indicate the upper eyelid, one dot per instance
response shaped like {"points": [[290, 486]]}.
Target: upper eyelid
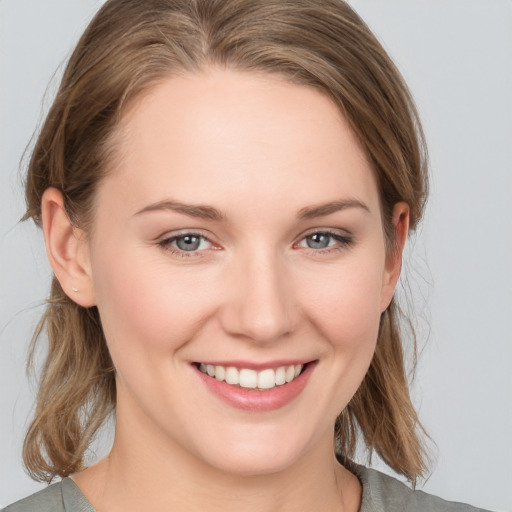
{"points": [[170, 235], [326, 230], [331, 231]]}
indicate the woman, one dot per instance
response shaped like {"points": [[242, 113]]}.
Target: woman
{"points": [[225, 190]]}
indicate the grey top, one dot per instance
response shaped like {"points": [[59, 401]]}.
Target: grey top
{"points": [[381, 493]]}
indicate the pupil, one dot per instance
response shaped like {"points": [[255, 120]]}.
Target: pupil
{"points": [[318, 241], [188, 243]]}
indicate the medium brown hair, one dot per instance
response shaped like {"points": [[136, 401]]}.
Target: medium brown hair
{"points": [[127, 48]]}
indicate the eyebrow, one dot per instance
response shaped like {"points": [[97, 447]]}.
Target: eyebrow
{"points": [[192, 210], [211, 213], [311, 212]]}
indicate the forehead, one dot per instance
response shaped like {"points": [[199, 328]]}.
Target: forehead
{"points": [[220, 131]]}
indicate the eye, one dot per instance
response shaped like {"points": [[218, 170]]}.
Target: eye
{"points": [[186, 243], [189, 242], [325, 240]]}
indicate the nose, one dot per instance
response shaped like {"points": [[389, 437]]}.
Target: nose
{"points": [[260, 304]]}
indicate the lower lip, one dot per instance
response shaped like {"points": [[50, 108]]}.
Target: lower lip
{"points": [[254, 399]]}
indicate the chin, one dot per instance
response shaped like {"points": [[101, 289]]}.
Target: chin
{"points": [[255, 455]]}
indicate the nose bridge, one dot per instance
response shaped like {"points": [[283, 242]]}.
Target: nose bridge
{"points": [[261, 303]]}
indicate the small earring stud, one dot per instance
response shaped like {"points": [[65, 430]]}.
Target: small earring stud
{"points": [[75, 289]]}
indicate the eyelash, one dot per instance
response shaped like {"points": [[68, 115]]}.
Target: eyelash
{"points": [[343, 243], [166, 244]]}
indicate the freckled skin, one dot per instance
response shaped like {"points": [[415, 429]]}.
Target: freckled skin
{"points": [[259, 150]]}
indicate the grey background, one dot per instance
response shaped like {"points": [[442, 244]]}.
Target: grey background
{"points": [[457, 58]]}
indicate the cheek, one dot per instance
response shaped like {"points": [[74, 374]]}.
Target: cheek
{"points": [[147, 305], [345, 304], [344, 307]]}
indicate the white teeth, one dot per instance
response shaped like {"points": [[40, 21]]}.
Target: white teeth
{"points": [[280, 376], [220, 373], [232, 375], [252, 379], [248, 378], [266, 379]]}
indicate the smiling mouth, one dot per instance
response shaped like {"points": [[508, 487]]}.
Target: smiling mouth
{"points": [[248, 378]]}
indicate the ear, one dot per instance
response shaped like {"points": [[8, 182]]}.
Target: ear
{"points": [[393, 264], [67, 249]]}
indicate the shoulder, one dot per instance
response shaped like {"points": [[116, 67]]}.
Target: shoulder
{"points": [[382, 493], [47, 500], [63, 496]]}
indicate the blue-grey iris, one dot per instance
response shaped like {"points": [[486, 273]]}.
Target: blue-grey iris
{"points": [[188, 242], [318, 240]]}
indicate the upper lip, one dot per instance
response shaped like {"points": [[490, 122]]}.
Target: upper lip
{"points": [[276, 363]]}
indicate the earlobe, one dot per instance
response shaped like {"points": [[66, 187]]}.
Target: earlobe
{"points": [[394, 257], [67, 249]]}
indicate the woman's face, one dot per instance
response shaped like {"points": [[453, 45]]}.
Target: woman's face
{"points": [[239, 234]]}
